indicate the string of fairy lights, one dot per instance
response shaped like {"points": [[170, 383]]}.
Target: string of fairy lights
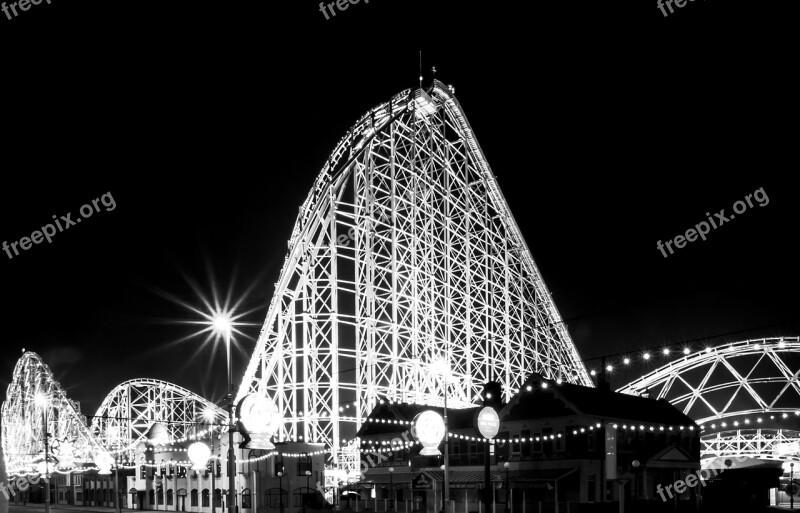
{"points": [[125, 456], [649, 355]]}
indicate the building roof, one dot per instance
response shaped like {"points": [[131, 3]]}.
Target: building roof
{"points": [[546, 399], [549, 399], [404, 412]]}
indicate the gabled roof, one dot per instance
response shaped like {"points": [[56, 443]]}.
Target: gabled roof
{"points": [[549, 399], [404, 412]]}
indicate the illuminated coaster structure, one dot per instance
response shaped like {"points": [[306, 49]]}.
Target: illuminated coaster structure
{"points": [[34, 397], [404, 251], [745, 396], [127, 413]]}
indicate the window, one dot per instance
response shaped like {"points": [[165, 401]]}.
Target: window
{"points": [[515, 445], [303, 464], [218, 498], [278, 465], [181, 471], [151, 497], [246, 498], [161, 497], [559, 441], [475, 457], [547, 442], [171, 469], [193, 498], [205, 498], [142, 472], [591, 488], [537, 443], [526, 445], [169, 498], [219, 465], [163, 468]]}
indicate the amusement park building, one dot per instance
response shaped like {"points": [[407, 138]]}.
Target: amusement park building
{"points": [[165, 481], [555, 440]]}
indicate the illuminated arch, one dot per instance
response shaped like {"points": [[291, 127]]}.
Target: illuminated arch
{"points": [[129, 411], [744, 395]]}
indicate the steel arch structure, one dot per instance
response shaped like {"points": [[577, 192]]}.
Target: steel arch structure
{"points": [[132, 407], [24, 419], [404, 252], [744, 395]]}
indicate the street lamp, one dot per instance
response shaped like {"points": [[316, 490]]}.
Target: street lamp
{"points": [[391, 488], [508, 491], [280, 491], [223, 326], [208, 416], [791, 485], [441, 366], [308, 487], [635, 464], [41, 401]]}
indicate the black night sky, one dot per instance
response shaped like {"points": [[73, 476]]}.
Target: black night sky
{"points": [[609, 127]]}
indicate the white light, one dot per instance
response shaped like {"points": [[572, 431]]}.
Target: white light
{"points": [[208, 414], [430, 432], [199, 453], [626, 361], [781, 344], [759, 419], [41, 399], [528, 388], [544, 385], [221, 322], [609, 368], [708, 350], [592, 372], [558, 381], [488, 395], [104, 461], [666, 351], [646, 356], [686, 350]]}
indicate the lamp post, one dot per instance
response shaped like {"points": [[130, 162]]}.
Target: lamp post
{"points": [[280, 491], [41, 400], [308, 487], [222, 324], [791, 485], [508, 491], [635, 464], [391, 488], [441, 366], [208, 415]]}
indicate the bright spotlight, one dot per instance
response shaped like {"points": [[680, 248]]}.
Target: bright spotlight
{"points": [[222, 323], [626, 361], [665, 351], [646, 356], [686, 350]]}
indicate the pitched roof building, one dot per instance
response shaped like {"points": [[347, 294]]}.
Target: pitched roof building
{"points": [[557, 443]]}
